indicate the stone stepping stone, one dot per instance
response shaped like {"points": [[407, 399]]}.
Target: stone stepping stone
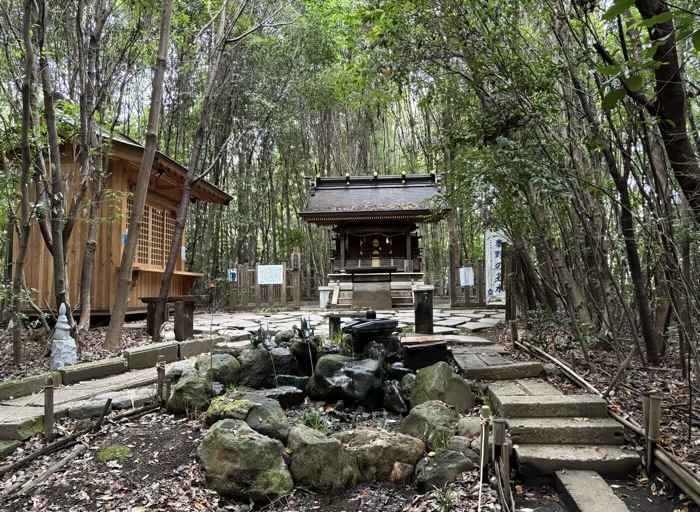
{"points": [[476, 326], [535, 401], [463, 339], [488, 349], [586, 491], [595, 431], [438, 329], [452, 322], [547, 459], [490, 366]]}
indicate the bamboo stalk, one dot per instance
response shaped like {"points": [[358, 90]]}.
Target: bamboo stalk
{"points": [[670, 468], [48, 410]]}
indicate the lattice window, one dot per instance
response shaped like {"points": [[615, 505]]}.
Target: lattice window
{"points": [[143, 248], [169, 231], [156, 234], [157, 237]]}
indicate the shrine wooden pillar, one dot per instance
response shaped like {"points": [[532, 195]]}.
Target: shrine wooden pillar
{"points": [[408, 243], [342, 246]]}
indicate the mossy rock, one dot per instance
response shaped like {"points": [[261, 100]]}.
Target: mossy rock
{"points": [[114, 452], [190, 395], [262, 414], [242, 463], [223, 368]]}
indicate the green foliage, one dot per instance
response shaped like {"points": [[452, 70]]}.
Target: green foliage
{"points": [[312, 419]]}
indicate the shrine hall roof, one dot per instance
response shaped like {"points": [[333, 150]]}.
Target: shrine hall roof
{"points": [[414, 197]]}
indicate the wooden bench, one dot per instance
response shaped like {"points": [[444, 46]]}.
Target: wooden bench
{"points": [[184, 315]]}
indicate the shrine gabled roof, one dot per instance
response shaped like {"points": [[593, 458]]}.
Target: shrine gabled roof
{"points": [[412, 197]]}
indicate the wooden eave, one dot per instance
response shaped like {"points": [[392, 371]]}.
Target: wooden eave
{"points": [[175, 172]]}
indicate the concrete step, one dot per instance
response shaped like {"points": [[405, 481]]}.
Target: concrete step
{"points": [[586, 491], [532, 398], [594, 431], [546, 459], [494, 366]]}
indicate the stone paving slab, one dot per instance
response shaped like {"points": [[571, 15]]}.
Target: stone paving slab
{"points": [[544, 459], [494, 366], [88, 389], [586, 491], [595, 431], [522, 387], [488, 349], [20, 423], [437, 329], [464, 339], [451, 322], [477, 326]]}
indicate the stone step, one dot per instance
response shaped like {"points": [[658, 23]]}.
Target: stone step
{"points": [[546, 459], [533, 398], [494, 366], [557, 406], [594, 431], [586, 491]]}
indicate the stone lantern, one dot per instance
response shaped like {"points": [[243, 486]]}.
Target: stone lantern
{"points": [[63, 349]]}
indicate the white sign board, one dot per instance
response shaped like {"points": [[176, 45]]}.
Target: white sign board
{"points": [[493, 247], [466, 276], [270, 274]]}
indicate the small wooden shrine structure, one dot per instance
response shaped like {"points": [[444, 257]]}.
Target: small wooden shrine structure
{"points": [[377, 259], [164, 194]]}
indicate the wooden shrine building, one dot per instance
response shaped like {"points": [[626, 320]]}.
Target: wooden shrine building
{"points": [[164, 194], [376, 261]]}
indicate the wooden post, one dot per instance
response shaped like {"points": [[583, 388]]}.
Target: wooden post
{"points": [[160, 369], [499, 437], [654, 430], [513, 331], [485, 415], [645, 412], [48, 410], [257, 286], [283, 296], [168, 384], [480, 283], [505, 460], [296, 278], [453, 259]]}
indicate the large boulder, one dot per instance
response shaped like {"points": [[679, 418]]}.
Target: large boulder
{"points": [[439, 382], [320, 462], [306, 355], [428, 418], [256, 368], [242, 463], [223, 368], [340, 377], [177, 369], [393, 400], [191, 393], [259, 367], [262, 414], [376, 451], [435, 472]]}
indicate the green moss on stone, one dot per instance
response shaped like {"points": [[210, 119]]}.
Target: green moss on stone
{"points": [[221, 407], [273, 482], [32, 429], [114, 452]]}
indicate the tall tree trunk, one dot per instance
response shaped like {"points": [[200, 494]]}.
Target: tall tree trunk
{"points": [[626, 216], [23, 230], [670, 106], [113, 338]]}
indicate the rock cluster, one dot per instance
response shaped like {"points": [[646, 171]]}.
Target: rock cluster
{"points": [[252, 452]]}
